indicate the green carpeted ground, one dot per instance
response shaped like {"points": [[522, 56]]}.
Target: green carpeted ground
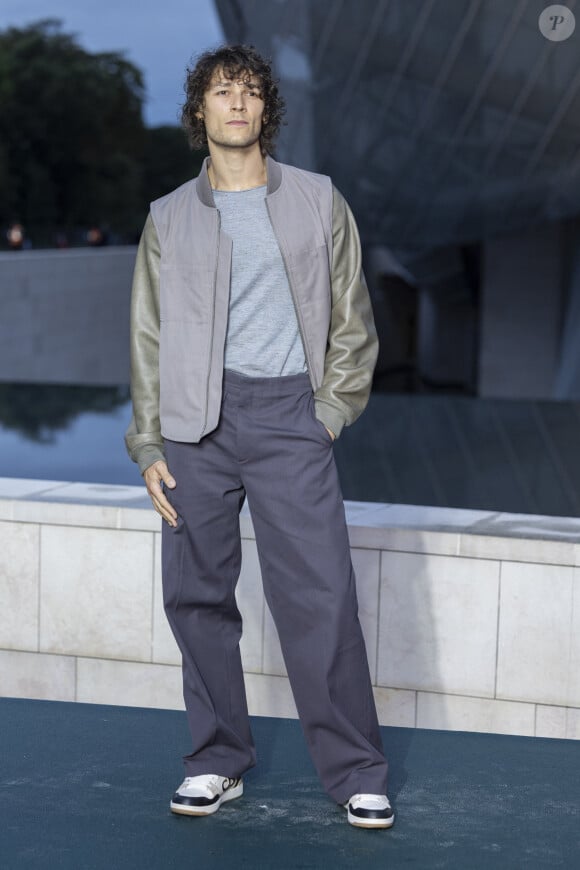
{"points": [[87, 787]]}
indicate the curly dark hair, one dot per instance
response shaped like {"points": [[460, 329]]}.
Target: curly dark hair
{"points": [[236, 61]]}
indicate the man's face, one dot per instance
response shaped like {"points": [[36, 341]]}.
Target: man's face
{"points": [[232, 111]]}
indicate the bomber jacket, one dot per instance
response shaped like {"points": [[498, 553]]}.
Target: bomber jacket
{"points": [[180, 298]]}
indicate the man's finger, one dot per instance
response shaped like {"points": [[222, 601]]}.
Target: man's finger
{"points": [[159, 498], [154, 477], [156, 491], [159, 471], [167, 478], [165, 510]]}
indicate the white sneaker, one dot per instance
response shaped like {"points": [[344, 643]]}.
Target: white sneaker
{"points": [[370, 811], [203, 795]]}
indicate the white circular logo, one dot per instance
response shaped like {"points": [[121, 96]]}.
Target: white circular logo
{"points": [[557, 23]]}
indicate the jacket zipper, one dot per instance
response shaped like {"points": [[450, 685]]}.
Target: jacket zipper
{"points": [[292, 295], [219, 225]]}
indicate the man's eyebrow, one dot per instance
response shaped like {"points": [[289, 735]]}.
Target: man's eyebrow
{"points": [[221, 84]]}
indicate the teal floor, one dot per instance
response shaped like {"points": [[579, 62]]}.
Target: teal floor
{"points": [[85, 787]]}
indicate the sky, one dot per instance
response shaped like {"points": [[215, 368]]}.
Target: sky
{"points": [[158, 36]]}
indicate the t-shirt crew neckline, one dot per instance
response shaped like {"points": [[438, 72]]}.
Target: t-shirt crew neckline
{"points": [[247, 190]]}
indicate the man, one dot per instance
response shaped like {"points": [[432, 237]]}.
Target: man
{"points": [[252, 345]]}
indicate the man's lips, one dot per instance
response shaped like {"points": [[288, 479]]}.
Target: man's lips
{"points": [[237, 123]]}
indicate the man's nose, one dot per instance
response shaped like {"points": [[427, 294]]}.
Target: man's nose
{"points": [[238, 101]]}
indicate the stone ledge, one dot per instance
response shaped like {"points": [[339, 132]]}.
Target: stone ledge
{"points": [[453, 605], [405, 528], [146, 684]]}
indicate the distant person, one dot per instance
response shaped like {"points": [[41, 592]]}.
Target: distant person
{"points": [[96, 238], [253, 343], [15, 237]]}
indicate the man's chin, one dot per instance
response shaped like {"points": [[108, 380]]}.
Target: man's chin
{"points": [[235, 143]]}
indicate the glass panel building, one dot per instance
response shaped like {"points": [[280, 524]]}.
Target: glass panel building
{"points": [[453, 129]]}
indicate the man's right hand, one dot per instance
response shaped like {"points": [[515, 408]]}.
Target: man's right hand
{"points": [[153, 476]]}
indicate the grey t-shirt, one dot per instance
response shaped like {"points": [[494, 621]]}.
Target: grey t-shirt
{"points": [[263, 338]]}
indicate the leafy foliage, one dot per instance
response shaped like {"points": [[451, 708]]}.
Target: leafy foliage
{"points": [[168, 160], [74, 150]]}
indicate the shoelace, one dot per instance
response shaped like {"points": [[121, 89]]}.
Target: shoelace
{"points": [[210, 780], [372, 801], [215, 781]]}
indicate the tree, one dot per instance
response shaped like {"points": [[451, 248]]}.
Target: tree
{"points": [[168, 161], [71, 132]]}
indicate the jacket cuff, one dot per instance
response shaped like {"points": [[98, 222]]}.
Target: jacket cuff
{"points": [[147, 455], [330, 416]]}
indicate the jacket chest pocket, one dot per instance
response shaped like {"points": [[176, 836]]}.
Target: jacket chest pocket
{"points": [[185, 292]]}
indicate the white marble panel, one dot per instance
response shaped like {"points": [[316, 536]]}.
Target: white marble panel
{"points": [[573, 688], [573, 723], [412, 528], [550, 721], [19, 559], [66, 513], [366, 569], [32, 675], [539, 634], [144, 518], [96, 592], [250, 599], [438, 619], [270, 696], [246, 524], [273, 661], [404, 540], [165, 649], [561, 722], [516, 549], [6, 509], [456, 713], [395, 706], [130, 684]]}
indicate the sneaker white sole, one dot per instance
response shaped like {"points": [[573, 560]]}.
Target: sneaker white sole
{"points": [[359, 822], [230, 795]]}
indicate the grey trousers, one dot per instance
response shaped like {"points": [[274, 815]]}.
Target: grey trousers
{"points": [[269, 445]]}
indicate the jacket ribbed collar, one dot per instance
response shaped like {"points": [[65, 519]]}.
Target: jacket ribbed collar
{"points": [[204, 190]]}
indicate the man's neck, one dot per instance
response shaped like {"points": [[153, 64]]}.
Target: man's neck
{"points": [[236, 169]]}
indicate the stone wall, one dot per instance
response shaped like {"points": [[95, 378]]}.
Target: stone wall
{"points": [[471, 619]]}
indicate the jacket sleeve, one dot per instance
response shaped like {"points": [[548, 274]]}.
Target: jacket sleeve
{"points": [[143, 437], [353, 346]]}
